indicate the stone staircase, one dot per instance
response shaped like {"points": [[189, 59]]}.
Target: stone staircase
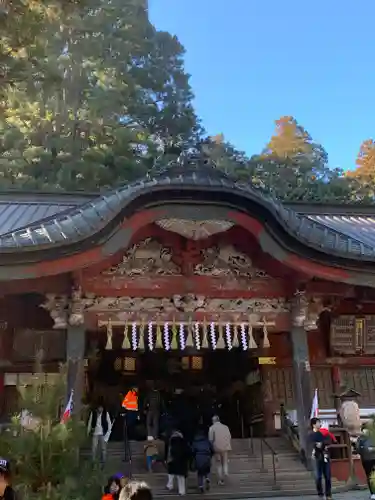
{"points": [[249, 477]]}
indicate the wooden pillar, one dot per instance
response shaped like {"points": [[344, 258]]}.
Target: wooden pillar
{"points": [[68, 312], [268, 404], [75, 352], [301, 372]]}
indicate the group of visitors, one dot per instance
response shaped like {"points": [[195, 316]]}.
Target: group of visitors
{"points": [[182, 455], [118, 488], [321, 440]]}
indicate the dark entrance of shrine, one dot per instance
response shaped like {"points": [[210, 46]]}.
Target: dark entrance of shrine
{"points": [[228, 382]]}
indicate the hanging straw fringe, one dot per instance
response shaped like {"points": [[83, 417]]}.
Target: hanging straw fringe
{"points": [[220, 341], [189, 339], [252, 344], [126, 341], [236, 342], [174, 343], [159, 340], [266, 340], [205, 339], [109, 335]]}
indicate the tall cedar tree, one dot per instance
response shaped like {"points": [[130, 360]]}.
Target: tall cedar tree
{"points": [[288, 168], [295, 168], [364, 174], [110, 93], [22, 26]]}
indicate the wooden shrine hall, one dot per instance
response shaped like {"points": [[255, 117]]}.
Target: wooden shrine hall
{"points": [[180, 275]]}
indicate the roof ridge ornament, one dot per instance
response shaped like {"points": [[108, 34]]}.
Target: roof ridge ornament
{"points": [[193, 161]]}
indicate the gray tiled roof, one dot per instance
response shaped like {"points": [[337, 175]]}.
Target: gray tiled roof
{"points": [[361, 228], [49, 225], [16, 215], [18, 210]]}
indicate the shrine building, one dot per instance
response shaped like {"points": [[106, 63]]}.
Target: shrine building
{"points": [[190, 279]]}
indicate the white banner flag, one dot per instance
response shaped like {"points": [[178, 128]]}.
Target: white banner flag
{"points": [[315, 405]]}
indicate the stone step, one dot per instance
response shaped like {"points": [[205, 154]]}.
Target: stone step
{"points": [[247, 478], [238, 479], [234, 489]]}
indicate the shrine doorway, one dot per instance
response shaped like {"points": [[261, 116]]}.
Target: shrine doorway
{"points": [[219, 379]]}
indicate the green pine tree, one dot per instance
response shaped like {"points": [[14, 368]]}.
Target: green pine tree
{"points": [[44, 453]]}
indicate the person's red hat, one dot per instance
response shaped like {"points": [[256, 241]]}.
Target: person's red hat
{"points": [[326, 432]]}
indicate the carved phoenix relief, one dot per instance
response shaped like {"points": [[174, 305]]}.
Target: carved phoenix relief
{"points": [[226, 261], [146, 258]]}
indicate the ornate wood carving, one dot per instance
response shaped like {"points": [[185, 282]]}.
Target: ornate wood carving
{"points": [[190, 303], [151, 269], [226, 261], [146, 258], [57, 306], [65, 310], [194, 307], [306, 310], [195, 230]]}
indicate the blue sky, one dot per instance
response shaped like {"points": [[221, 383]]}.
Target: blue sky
{"points": [[252, 61]]}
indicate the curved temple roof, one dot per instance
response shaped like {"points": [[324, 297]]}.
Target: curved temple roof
{"points": [[193, 180]]}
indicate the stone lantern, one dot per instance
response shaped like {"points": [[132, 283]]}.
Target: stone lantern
{"points": [[348, 413]]}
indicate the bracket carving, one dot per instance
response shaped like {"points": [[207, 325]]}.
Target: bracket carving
{"points": [[66, 310], [306, 311]]}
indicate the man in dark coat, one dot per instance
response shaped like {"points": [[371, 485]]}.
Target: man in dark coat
{"points": [[152, 405], [202, 451], [178, 458], [366, 450], [321, 458]]}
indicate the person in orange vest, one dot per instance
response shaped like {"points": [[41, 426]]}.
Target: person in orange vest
{"points": [[130, 401], [130, 407]]}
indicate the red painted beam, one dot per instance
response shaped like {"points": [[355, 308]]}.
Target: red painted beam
{"points": [[281, 320], [82, 260]]}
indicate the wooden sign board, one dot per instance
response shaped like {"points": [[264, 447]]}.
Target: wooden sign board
{"points": [[267, 361]]}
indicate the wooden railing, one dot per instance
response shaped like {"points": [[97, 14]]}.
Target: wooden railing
{"points": [[264, 444], [289, 429]]}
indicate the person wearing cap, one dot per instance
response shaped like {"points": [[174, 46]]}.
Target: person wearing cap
{"points": [[112, 489], [152, 450], [6, 490]]}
